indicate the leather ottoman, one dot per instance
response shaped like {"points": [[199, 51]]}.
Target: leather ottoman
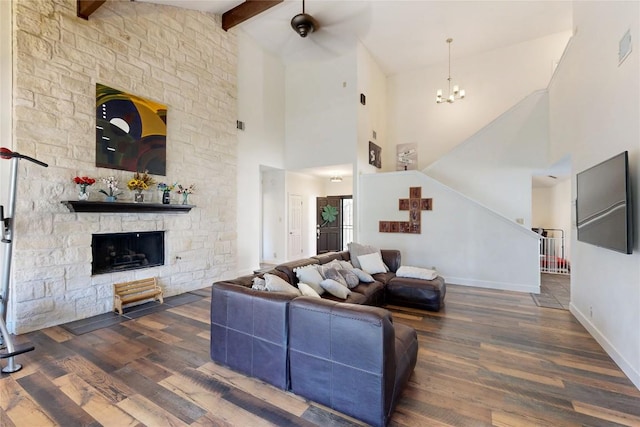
{"points": [[417, 293]]}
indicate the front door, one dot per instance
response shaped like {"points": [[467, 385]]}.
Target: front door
{"points": [[328, 224]]}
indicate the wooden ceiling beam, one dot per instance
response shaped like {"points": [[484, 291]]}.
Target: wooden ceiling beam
{"points": [[86, 7], [244, 11]]}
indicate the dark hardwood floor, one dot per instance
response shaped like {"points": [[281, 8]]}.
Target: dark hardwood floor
{"points": [[490, 358]]}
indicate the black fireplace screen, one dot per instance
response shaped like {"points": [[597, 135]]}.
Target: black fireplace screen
{"points": [[126, 251]]}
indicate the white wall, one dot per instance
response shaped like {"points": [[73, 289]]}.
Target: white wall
{"points": [[274, 211], [467, 243], [494, 166], [261, 108], [594, 114], [494, 82], [321, 118], [542, 207], [344, 188], [552, 208], [372, 116]]}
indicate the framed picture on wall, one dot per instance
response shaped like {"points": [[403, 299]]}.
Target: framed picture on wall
{"points": [[375, 153], [406, 157], [131, 132]]}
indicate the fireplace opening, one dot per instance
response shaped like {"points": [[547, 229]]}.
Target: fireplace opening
{"points": [[114, 252]]}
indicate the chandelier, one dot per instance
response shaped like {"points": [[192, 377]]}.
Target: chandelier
{"points": [[457, 93]]}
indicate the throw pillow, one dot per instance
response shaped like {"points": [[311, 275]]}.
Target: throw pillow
{"points": [[259, 284], [335, 288], [333, 274], [372, 263], [346, 265], [364, 277], [356, 250], [416, 273], [349, 277], [309, 274], [308, 290], [276, 284]]}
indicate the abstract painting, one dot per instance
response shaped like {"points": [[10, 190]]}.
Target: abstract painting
{"points": [[131, 132]]}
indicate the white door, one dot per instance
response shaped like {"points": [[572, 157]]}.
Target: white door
{"points": [[295, 226]]}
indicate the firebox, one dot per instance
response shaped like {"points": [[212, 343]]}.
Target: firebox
{"points": [[114, 252]]}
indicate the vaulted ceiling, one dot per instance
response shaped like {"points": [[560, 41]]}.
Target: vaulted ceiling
{"points": [[401, 35]]}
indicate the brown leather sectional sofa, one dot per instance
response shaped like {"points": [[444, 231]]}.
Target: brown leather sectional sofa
{"points": [[346, 354]]}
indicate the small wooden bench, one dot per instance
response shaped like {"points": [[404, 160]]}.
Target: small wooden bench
{"points": [[138, 290]]}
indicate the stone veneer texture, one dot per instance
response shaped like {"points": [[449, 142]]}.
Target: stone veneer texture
{"points": [[178, 57]]}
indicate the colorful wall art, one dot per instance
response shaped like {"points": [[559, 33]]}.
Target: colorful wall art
{"points": [[131, 132]]}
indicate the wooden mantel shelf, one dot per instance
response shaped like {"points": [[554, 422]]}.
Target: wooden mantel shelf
{"points": [[84, 206]]}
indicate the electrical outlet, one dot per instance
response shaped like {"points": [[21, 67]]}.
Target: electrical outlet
{"points": [[590, 312], [275, 255]]}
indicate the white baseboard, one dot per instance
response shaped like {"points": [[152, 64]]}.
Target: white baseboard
{"points": [[494, 285], [619, 359]]}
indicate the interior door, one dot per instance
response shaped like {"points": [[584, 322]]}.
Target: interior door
{"points": [[295, 226], [329, 226]]}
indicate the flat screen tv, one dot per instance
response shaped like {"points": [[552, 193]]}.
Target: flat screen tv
{"points": [[604, 206]]}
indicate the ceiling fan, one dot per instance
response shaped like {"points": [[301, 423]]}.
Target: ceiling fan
{"points": [[303, 23]]}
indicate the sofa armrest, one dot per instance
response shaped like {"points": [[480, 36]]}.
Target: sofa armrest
{"points": [[333, 346], [392, 258]]}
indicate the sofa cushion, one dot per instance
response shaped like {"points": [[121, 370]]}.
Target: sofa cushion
{"points": [[416, 273], [310, 275], [356, 250], [288, 268], [372, 263], [353, 298], [259, 284], [274, 283], [333, 274], [363, 276], [418, 293], [374, 292], [308, 291], [349, 277], [336, 289], [384, 278]]}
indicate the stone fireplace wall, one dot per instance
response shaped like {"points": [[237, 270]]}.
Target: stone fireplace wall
{"points": [[174, 56]]}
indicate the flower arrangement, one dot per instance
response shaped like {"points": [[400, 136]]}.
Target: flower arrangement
{"points": [[164, 187], [186, 190], [140, 181], [84, 180], [112, 185]]}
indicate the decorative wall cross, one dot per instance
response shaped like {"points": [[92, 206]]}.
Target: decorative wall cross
{"points": [[414, 204]]}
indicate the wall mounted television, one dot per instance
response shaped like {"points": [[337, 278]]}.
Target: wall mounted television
{"points": [[604, 205]]}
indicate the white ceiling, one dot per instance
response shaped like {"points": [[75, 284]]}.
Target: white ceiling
{"points": [[400, 34]]}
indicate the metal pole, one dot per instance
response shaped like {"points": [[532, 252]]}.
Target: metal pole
{"points": [[7, 237]]}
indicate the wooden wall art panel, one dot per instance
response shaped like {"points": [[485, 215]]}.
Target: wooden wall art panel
{"points": [[415, 204]]}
